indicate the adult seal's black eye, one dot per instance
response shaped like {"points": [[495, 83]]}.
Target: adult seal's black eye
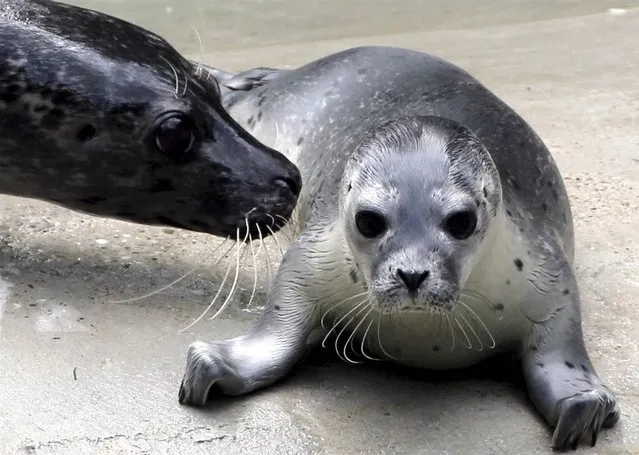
{"points": [[461, 225], [175, 136], [370, 224]]}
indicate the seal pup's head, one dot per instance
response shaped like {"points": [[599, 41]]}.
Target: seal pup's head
{"points": [[417, 201]]}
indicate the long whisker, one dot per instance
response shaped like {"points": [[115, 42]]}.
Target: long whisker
{"points": [[332, 307], [237, 273], [339, 335], [492, 339], [355, 308], [364, 342], [171, 284], [277, 243], [350, 338], [199, 37], [272, 220], [285, 223], [198, 70], [452, 332], [261, 245], [186, 81], [157, 291], [175, 73], [268, 258], [219, 291], [282, 218], [379, 338], [254, 270], [463, 332], [476, 296], [481, 344], [282, 227]]}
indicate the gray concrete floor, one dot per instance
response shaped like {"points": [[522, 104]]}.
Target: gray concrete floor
{"points": [[81, 374]]}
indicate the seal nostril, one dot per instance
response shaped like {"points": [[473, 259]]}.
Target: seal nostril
{"points": [[86, 133], [412, 279], [288, 183]]}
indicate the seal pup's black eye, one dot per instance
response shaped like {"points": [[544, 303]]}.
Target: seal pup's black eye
{"points": [[370, 224], [175, 135], [461, 225]]}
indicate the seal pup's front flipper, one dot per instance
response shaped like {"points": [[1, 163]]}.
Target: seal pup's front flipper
{"points": [[270, 350], [562, 382]]}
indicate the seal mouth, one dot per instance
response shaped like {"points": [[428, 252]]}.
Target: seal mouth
{"points": [[258, 226], [416, 307], [262, 228], [395, 300]]}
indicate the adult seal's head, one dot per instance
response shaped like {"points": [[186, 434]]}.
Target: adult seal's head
{"points": [[101, 116], [416, 222], [434, 231]]}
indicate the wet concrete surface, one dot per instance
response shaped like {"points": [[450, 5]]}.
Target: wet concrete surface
{"points": [[82, 373]]}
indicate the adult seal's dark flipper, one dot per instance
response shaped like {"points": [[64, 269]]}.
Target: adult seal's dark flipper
{"points": [[435, 231], [104, 117]]}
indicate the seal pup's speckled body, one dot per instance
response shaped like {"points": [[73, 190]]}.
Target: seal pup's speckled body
{"points": [[102, 116], [435, 230]]}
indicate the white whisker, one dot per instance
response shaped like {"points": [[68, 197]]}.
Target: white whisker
{"points": [[200, 39], [452, 332], [492, 339], [334, 306], [279, 247], [339, 354], [364, 342], [198, 70], [186, 82], [269, 264], [171, 284], [379, 339], [254, 271], [351, 337], [336, 324], [175, 73], [470, 327], [237, 272], [157, 291], [281, 227], [463, 332], [219, 291]]}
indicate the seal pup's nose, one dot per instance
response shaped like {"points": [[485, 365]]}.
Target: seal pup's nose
{"points": [[413, 279]]}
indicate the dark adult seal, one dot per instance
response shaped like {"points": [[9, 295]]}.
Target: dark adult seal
{"points": [[102, 116], [435, 231]]}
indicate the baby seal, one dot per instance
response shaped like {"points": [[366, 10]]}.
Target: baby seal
{"points": [[102, 116], [434, 231]]}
